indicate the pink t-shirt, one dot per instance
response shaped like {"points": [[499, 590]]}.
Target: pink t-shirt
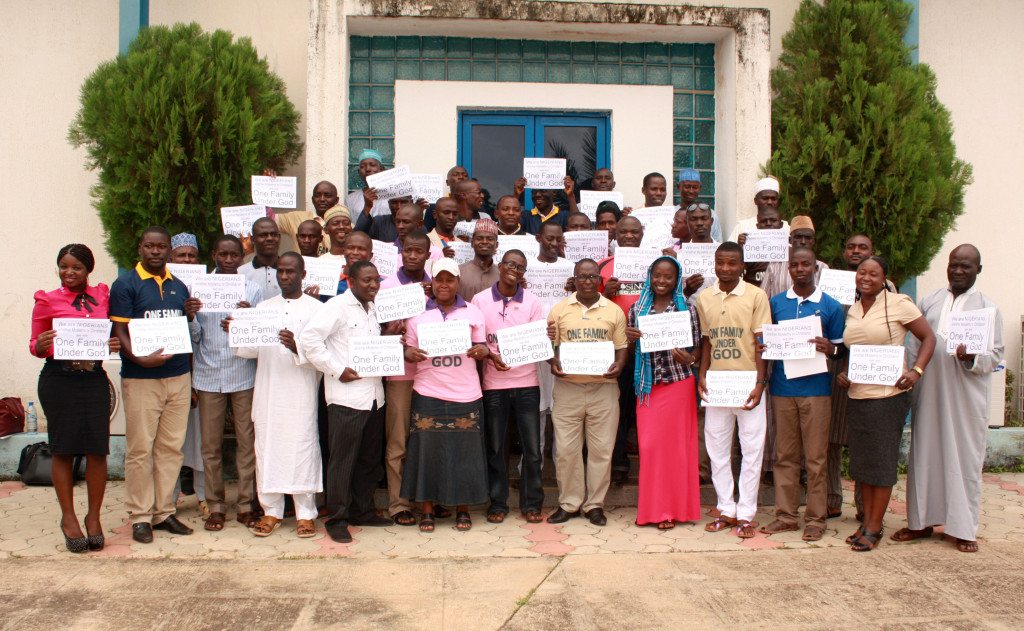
{"points": [[395, 281], [501, 313], [454, 377]]}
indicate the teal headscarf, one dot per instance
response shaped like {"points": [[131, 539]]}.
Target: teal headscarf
{"points": [[643, 369]]}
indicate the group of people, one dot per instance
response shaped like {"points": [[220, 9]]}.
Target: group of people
{"points": [[315, 437]]}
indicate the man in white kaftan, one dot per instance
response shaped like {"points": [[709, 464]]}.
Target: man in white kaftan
{"points": [[950, 413]]}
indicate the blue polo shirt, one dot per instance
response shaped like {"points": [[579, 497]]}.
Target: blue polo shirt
{"points": [[788, 306], [139, 294]]}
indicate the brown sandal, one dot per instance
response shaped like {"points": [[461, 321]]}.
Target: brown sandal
{"points": [[265, 526], [745, 529], [906, 534], [215, 522], [533, 517], [813, 533], [305, 528], [248, 519], [776, 527], [496, 517], [719, 524]]}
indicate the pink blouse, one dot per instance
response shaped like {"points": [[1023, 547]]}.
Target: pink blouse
{"points": [[59, 303]]}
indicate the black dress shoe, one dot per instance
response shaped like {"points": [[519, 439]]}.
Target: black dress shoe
{"points": [[596, 516], [561, 516], [338, 531], [173, 526], [372, 520], [143, 533]]}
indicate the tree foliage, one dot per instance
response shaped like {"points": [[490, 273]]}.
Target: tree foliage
{"points": [[176, 128], [860, 141]]}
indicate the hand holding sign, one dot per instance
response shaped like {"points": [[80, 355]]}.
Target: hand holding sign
{"points": [[276, 192], [544, 173]]}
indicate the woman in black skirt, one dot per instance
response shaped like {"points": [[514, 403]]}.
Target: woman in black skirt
{"points": [[75, 395], [876, 413]]}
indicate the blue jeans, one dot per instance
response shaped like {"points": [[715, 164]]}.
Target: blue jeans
{"points": [[499, 405]]}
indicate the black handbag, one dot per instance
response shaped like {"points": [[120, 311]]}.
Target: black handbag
{"points": [[36, 465]]}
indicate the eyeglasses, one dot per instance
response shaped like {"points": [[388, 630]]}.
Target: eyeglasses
{"points": [[693, 207], [588, 277], [515, 267]]}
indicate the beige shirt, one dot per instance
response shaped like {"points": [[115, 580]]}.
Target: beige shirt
{"points": [[883, 325], [574, 322], [730, 320]]}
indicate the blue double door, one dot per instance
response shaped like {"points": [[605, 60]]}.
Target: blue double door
{"points": [[492, 145]]}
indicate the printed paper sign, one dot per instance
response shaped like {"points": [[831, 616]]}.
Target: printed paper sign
{"points": [[81, 339], [526, 243], [438, 339], [219, 292], [386, 258], [254, 327], [697, 258], [463, 251], [656, 218], [238, 220], [547, 281], [399, 303], [524, 344], [586, 244], [396, 182], [875, 365], [590, 200], [149, 335], [839, 284], [377, 356], [789, 339], [464, 230], [633, 263], [971, 328], [324, 273], [766, 246], [586, 358], [665, 331], [186, 272], [429, 186], [276, 192], [729, 388], [545, 173]]}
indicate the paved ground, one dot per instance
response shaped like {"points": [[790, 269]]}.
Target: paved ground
{"points": [[514, 576]]}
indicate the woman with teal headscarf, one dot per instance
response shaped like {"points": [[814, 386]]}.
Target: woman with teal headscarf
{"points": [[666, 406]]}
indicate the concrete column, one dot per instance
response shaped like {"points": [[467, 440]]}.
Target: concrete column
{"points": [[327, 94]]}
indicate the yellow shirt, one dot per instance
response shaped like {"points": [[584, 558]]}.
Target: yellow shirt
{"points": [[575, 322], [897, 310], [730, 320]]}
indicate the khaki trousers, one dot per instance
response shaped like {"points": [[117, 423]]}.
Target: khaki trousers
{"points": [[398, 395], [801, 425], [156, 416], [213, 407], [584, 412]]}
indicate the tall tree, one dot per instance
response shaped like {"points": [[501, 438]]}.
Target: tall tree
{"points": [[176, 128], [860, 141]]}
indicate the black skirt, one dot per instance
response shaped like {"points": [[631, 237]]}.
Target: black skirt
{"points": [[77, 408], [874, 433]]}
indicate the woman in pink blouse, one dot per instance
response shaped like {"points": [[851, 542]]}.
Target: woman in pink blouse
{"points": [[75, 395]]}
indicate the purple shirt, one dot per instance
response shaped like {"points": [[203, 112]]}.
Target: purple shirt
{"points": [[500, 313]]}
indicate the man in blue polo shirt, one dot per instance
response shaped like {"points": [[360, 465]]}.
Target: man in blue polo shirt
{"points": [[802, 406], [156, 387]]}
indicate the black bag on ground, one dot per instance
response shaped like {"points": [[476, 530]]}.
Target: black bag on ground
{"points": [[36, 465]]}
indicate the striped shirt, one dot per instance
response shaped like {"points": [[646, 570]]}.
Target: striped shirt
{"points": [[215, 367]]}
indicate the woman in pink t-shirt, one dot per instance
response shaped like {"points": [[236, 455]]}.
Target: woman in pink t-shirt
{"points": [[444, 460]]}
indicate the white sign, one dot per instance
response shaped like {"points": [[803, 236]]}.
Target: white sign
{"points": [[463, 251], [428, 186], [324, 273], [254, 327], [665, 331], [633, 263], [971, 328], [547, 280], [377, 356], [386, 258], [789, 339], [149, 335], [697, 258], [81, 339], [545, 173], [586, 244], [219, 292], [399, 303], [186, 272], [276, 192], [816, 364], [729, 388], [839, 284], [524, 344], [526, 243], [766, 246], [438, 339], [586, 358], [238, 220], [590, 200], [875, 365], [396, 182], [464, 229], [656, 218]]}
